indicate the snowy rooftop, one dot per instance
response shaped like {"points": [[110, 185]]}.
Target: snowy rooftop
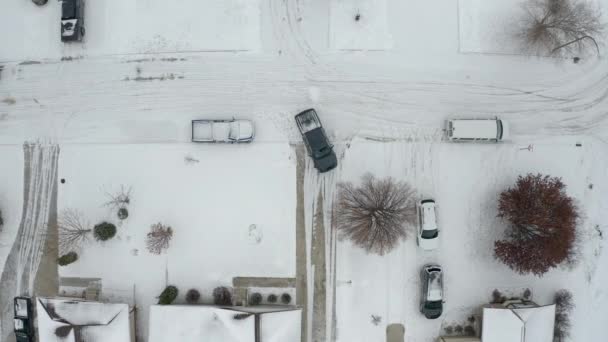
{"points": [[95, 321], [210, 323], [533, 324]]}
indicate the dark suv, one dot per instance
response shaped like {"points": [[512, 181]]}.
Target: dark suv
{"points": [[431, 301], [315, 139], [72, 20]]}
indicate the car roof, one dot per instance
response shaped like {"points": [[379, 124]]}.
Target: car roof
{"points": [[427, 209], [316, 139], [435, 289], [474, 129]]}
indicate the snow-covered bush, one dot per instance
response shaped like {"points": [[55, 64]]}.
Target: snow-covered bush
{"points": [[542, 228], [222, 295], [558, 27], [158, 238], [168, 295], [63, 331], [498, 297], [104, 231], [272, 298], [192, 296], [255, 299], [374, 214], [67, 259], [123, 213], [285, 298], [563, 308]]}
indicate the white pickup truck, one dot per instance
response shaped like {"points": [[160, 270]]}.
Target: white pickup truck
{"points": [[222, 131]]}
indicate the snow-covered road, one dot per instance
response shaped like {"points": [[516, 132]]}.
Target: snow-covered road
{"points": [[123, 100]]}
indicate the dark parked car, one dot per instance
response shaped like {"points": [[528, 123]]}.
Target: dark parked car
{"points": [[315, 139], [431, 300], [72, 20], [23, 319]]}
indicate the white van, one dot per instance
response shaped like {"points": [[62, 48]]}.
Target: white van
{"points": [[477, 130]]}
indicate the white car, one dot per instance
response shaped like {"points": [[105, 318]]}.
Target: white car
{"points": [[477, 130], [428, 233], [222, 131]]}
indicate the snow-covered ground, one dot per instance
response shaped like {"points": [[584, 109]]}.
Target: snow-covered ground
{"points": [[11, 198], [128, 27], [210, 200], [120, 104], [465, 180]]}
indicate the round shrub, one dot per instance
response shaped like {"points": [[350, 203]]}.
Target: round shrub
{"points": [[272, 298], [285, 298], [63, 331], [123, 213], [168, 295], [67, 259], [222, 295], [192, 296], [255, 299], [104, 231]]}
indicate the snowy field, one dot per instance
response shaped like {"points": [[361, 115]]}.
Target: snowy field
{"points": [[465, 180], [210, 203], [489, 26], [370, 29], [128, 27]]}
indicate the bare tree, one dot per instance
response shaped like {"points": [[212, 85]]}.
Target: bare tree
{"points": [[158, 238], [73, 230], [119, 201], [375, 214], [559, 27]]}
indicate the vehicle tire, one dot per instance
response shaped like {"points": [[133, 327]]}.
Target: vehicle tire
{"points": [[40, 2], [82, 31]]}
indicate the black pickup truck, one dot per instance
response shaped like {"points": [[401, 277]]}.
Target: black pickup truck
{"points": [[315, 139], [72, 20]]}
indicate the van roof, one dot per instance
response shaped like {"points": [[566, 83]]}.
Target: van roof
{"points": [[474, 129]]}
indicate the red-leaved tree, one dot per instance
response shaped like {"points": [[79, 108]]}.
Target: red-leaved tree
{"points": [[542, 227]]}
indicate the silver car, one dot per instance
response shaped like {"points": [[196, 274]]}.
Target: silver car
{"points": [[431, 300]]}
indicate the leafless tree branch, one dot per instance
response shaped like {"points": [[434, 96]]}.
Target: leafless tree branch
{"points": [[375, 214], [73, 230], [120, 198], [559, 27], [158, 238]]}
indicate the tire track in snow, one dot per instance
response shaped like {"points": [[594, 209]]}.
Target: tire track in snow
{"points": [[39, 195]]}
